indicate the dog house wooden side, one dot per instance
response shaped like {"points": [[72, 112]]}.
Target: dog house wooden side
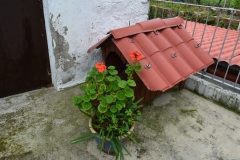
{"points": [[111, 55]]}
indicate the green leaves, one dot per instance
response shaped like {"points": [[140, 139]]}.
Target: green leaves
{"points": [[86, 98], [76, 100], [131, 83], [113, 72], [111, 78], [119, 106], [111, 67], [120, 95], [109, 113], [122, 84], [110, 99], [138, 67], [128, 112], [102, 109], [86, 105], [93, 96], [83, 138], [113, 109], [99, 77], [128, 92], [83, 86], [108, 88], [100, 91], [103, 103], [114, 86], [102, 86]]}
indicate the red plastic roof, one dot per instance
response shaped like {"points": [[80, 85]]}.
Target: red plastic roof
{"points": [[217, 44], [165, 45]]}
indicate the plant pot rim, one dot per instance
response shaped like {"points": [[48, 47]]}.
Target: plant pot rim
{"points": [[93, 131]]}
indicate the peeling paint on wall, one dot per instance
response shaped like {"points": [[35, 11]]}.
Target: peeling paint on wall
{"points": [[60, 50]]}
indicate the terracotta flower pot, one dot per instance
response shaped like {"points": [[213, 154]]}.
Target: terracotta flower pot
{"points": [[107, 147]]}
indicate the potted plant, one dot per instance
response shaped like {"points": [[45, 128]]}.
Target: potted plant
{"points": [[109, 102]]}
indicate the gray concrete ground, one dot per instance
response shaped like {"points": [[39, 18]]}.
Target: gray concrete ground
{"points": [[40, 125]]}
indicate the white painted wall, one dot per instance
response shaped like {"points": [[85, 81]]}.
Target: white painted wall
{"points": [[74, 26]]}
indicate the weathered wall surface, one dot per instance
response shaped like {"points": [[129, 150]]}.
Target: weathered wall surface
{"points": [[214, 92], [74, 26]]}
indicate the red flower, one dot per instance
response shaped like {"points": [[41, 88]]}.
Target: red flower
{"points": [[136, 56], [100, 67]]}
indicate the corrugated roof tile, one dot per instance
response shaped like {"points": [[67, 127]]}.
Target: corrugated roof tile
{"points": [[166, 46], [218, 42], [152, 24]]}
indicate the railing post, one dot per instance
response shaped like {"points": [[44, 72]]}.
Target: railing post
{"points": [[169, 6], [219, 56]]}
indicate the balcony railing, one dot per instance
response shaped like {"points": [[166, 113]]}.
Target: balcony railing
{"points": [[217, 29]]}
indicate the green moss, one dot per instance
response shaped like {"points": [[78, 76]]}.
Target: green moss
{"points": [[2, 144], [174, 121], [160, 129], [199, 122], [188, 111], [219, 103], [196, 128], [213, 137]]}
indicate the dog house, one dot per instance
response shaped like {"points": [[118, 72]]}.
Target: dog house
{"points": [[169, 54]]}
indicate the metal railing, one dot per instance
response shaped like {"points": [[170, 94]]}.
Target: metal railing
{"points": [[221, 73]]}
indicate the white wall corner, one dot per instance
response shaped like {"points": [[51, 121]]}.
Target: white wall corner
{"points": [[74, 26], [49, 42]]}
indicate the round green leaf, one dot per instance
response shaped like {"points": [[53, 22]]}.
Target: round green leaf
{"points": [[100, 98], [92, 91], [110, 99], [108, 88], [113, 109], [128, 92], [76, 100], [86, 98], [103, 103], [117, 78], [93, 96], [127, 71], [111, 67], [111, 78], [122, 84], [102, 86], [100, 91], [131, 67], [109, 113], [83, 86], [119, 106], [120, 95], [138, 67], [131, 83], [122, 103], [102, 109], [114, 86], [113, 72], [86, 105], [99, 77]]}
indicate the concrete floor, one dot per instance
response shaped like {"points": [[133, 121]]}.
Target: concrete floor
{"points": [[40, 125]]}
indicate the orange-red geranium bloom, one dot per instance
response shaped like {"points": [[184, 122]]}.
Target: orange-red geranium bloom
{"points": [[100, 66], [136, 56]]}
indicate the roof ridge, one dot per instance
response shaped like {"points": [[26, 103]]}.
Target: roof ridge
{"points": [[146, 26]]}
